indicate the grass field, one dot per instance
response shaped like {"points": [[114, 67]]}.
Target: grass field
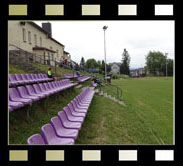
{"points": [[146, 119]]}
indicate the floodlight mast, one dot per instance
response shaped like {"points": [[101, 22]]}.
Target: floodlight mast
{"points": [[105, 28]]}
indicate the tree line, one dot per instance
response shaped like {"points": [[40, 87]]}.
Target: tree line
{"points": [[157, 63]]}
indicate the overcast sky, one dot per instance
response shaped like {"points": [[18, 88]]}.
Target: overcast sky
{"points": [[86, 39]]}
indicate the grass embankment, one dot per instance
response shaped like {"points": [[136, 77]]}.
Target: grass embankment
{"points": [[59, 71], [147, 118], [15, 69]]}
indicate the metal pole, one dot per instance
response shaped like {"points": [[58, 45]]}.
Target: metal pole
{"points": [[105, 54], [166, 63]]}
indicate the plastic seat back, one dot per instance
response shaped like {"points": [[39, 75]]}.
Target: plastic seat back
{"points": [[36, 139], [48, 132]]}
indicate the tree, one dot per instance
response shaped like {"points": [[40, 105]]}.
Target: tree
{"points": [[91, 64], [125, 65], [82, 62], [170, 67], [156, 63]]}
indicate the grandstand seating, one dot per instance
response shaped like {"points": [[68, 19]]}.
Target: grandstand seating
{"points": [[24, 95], [69, 76], [22, 79], [83, 79], [64, 128]]}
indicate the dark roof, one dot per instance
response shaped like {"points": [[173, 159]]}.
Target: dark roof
{"points": [[117, 63], [43, 48], [41, 29], [66, 52]]}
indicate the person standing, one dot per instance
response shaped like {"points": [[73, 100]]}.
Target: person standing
{"points": [[49, 73]]}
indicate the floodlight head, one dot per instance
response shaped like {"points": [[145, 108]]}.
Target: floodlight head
{"points": [[105, 27]]}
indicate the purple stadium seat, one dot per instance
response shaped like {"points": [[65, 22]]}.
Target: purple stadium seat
{"points": [[52, 88], [51, 138], [29, 78], [75, 113], [15, 105], [78, 105], [24, 94], [83, 78], [82, 104], [46, 77], [61, 131], [71, 117], [78, 109], [36, 139], [15, 96], [38, 90], [24, 77], [68, 124], [44, 90], [35, 76], [19, 78], [32, 92], [48, 89], [13, 81]]}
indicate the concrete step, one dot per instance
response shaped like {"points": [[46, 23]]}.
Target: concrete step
{"points": [[78, 87]]}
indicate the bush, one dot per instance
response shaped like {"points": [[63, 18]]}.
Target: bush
{"points": [[115, 76]]}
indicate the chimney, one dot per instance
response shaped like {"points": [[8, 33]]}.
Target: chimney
{"points": [[47, 28]]}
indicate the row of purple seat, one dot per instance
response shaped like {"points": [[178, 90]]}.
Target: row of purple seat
{"points": [[22, 79], [65, 127], [83, 79], [70, 76], [26, 95]]}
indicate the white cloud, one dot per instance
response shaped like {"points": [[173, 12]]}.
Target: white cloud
{"points": [[86, 39]]}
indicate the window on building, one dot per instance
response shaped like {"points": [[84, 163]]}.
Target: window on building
{"points": [[24, 35], [29, 37], [57, 54], [35, 39], [40, 41], [52, 57]]}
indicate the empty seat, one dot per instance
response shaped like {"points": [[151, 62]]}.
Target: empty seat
{"points": [[13, 81], [78, 109], [71, 117], [38, 90], [15, 96], [32, 92], [36, 139], [66, 123], [24, 77], [20, 79], [15, 105], [75, 113], [24, 94], [61, 131], [43, 89], [51, 138]]}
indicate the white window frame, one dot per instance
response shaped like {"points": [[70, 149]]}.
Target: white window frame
{"points": [[29, 37]]}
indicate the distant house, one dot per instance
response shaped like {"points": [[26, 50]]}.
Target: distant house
{"points": [[137, 72], [115, 68]]}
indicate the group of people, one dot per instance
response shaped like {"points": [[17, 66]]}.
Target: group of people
{"points": [[95, 79]]}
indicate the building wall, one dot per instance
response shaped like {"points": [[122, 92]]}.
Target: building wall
{"points": [[115, 69], [15, 37]]}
